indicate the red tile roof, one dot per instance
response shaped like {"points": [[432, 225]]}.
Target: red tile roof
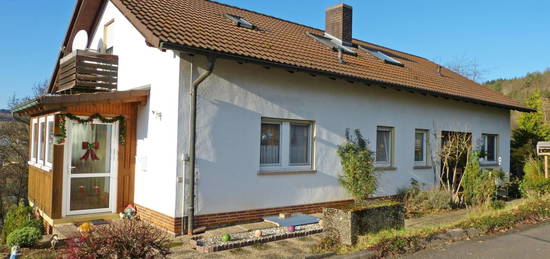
{"points": [[200, 25]]}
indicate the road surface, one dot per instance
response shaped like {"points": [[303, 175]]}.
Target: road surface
{"points": [[529, 242]]}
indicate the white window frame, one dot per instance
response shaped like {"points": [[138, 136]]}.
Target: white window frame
{"points": [[49, 119], [425, 146], [485, 148], [284, 150], [33, 156], [41, 148], [391, 160]]}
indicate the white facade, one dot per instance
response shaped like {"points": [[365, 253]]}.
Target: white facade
{"points": [[231, 104], [143, 67]]}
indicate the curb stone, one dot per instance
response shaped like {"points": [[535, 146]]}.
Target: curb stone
{"points": [[319, 256], [365, 254], [457, 234]]}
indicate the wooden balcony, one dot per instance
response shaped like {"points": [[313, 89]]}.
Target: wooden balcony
{"points": [[87, 71]]}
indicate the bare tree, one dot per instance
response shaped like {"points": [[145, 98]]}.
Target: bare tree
{"points": [[469, 68], [14, 141], [454, 152]]}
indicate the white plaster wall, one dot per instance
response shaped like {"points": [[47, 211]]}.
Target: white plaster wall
{"points": [[235, 97], [142, 67]]}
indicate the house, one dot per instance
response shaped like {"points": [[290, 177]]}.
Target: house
{"points": [[147, 95]]}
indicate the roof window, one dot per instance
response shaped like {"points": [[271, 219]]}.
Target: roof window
{"points": [[239, 21], [332, 43], [382, 56]]}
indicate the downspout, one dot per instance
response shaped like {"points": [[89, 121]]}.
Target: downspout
{"points": [[191, 147]]}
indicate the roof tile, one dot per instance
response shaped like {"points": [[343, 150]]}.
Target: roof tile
{"points": [[201, 24]]}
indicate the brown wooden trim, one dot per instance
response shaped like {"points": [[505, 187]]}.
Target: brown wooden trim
{"points": [[57, 185]]}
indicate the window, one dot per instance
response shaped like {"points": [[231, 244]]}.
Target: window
{"points": [[270, 147], [384, 147], [489, 147], [285, 145], [420, 147], [49, 140], [34, 140], [239, 21], [332, 43], [382, 56], [41, 140], [108, 37]]}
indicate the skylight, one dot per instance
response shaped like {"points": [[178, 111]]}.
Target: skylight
{"points": [[239, 21], [331, 43], [382, 56]]}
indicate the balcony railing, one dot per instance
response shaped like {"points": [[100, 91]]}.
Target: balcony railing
{"points": [[87, 71]]}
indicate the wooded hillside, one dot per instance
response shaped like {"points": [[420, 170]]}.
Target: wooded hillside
{"points": [[522, 87]]}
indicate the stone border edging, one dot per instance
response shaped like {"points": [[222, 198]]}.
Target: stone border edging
{"points": [[236, 244]]}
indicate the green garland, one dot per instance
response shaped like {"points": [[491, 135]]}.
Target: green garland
{"points": [[120, 118]]}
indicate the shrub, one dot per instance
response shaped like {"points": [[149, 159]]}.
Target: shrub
{"points": [[358, 165], [534, 184], [479, 186], [26, 236], [19, 216], [498, 204], [418, 202], [120, 239]]}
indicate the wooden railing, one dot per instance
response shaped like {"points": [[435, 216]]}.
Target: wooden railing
{"points": [[87, 71]]}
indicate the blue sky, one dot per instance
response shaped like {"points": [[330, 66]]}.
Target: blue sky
{"points": [[507, 38]]}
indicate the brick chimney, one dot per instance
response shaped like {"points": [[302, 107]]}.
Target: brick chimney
{"points": [[338, 22]]}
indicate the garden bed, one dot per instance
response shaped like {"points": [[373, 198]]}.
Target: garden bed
{"points": [[241, 239], [349, 221]]}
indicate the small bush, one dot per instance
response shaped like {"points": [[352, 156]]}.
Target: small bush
{"points": [[534, 184], [358, 166], [19, 216], [120, 239], [418, 202], [498, 204], [26, 236]]}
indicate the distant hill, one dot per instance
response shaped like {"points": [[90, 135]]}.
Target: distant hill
{"points": [[5, 114], [522, 87]]}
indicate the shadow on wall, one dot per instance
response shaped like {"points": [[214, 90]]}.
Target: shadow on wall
{"points": [[228, 153]]}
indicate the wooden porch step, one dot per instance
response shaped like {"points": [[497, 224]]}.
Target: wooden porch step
{"points": [[66, 227]]}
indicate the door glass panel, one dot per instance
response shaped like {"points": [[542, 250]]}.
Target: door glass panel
{"points": [[89, 193], [91, 148]]}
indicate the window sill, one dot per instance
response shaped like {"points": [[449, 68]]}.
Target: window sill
{"points": [[422, 167], [386, 168], [39, 166], [488, 164], [288, 172]]}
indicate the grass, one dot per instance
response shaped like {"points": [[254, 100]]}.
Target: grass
{"points": [[485, 219]]}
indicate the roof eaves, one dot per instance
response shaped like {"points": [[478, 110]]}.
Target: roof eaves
{"points": [[208, 52]]}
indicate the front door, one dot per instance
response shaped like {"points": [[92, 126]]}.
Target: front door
{"points": [[91, 167]]}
